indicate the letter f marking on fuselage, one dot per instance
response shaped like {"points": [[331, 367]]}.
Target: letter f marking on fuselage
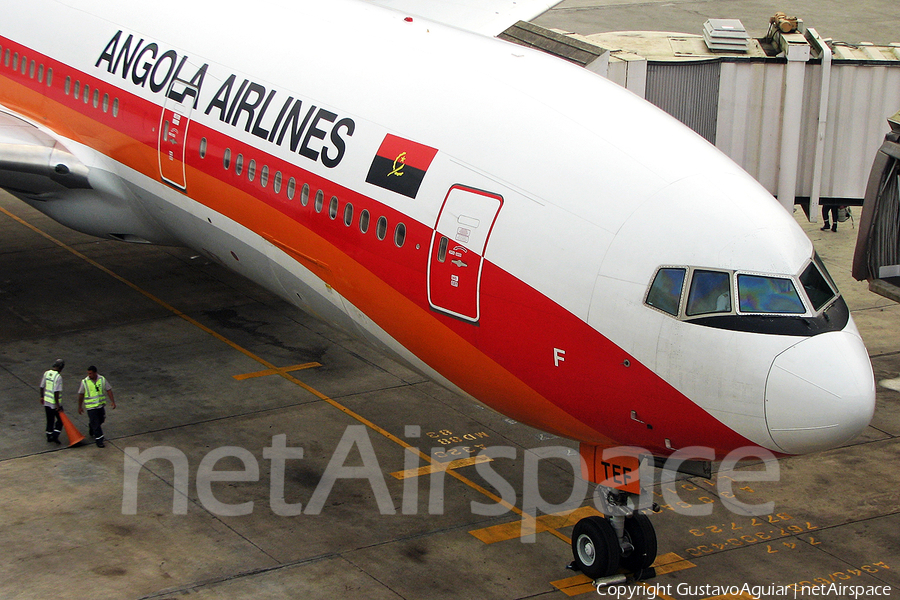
{"points": [[558, 356]]}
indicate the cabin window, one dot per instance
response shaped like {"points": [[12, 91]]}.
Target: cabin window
{"points": [[41, 74], [364, 221], [15, 65], [203, 144], [442, 249], [710, 293], [24, 64], [333, 208], [251, 169], [291, 188], [320, 201], [276, 183], [348, 214], [105, 103], [399, 234], [239, 164], [49, 77], [87, 93], [31, 70], [116, 107], [304, 194], [226, 159], [381, 228], [758, 294], [96, 102], [665, 292], [264, 176], [6, 58]]}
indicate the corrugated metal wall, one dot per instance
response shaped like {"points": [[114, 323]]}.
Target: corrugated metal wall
{"points": [[738, 105], [862, 96], [749, 117], [687, 91]]}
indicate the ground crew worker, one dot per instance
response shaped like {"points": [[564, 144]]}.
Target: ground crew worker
{"points": [[92, 394], [51, 391]]}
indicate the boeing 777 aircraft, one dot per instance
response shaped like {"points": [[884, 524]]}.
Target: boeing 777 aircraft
{"points": [[518, 229]]}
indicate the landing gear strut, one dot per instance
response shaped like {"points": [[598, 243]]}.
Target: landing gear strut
{"points": [[626, 538]]}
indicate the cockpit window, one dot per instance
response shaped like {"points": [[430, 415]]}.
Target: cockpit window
{"points": [[710, 293], [777, 304], [665, 293], [816, 286], [758, 294]]}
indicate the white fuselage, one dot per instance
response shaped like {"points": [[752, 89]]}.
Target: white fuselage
{"points": [[561, 193]]}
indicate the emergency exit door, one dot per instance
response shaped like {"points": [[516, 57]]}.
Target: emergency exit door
{"points": [[173, 129], [457, 250]]}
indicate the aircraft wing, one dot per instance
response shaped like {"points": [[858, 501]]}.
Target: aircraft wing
{"points": [[487, 17], [33, 163]]}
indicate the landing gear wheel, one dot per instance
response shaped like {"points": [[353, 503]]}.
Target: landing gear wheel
{"points": [[596, 547], [639, 531]]}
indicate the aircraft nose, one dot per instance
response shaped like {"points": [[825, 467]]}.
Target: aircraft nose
{"points": [[820, 393]]}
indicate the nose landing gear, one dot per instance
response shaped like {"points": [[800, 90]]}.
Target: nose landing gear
{"points": [[625, 539], [595, 547]]}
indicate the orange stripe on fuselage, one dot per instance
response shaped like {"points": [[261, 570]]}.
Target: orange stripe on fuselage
{"points": [[131, 140]]}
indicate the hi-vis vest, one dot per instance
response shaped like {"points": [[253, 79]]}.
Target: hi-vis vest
{"points": [[94, 392], [51, 378]]}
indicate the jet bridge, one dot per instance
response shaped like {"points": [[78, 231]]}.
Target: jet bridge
{"points": [[802, 113], [877, 256]]}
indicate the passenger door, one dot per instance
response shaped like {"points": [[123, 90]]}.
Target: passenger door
{"points": [[173, 128], [457, 250]]}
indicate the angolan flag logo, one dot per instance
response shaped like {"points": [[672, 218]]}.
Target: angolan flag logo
{"points": [[400, 165]]}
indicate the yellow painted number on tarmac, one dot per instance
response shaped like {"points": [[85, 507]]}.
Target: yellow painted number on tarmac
{"points": [[841, 575], [445, 437]]}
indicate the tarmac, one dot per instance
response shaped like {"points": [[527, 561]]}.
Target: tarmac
{"points": [[220, 384], [875, 21]]}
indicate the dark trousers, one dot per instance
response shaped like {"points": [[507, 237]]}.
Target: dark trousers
{"points": [[54, 423], [96, 417], [834, 214]]}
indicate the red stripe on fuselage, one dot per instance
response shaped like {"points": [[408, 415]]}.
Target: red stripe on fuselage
{"points": [[507, 360]]}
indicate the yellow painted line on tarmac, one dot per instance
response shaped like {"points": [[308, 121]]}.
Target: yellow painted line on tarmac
{"points": [[436, 467], [138, 289], [516, 529], [582, 584], [528, 519], [277, 371], [575, 585], [671, 563]]}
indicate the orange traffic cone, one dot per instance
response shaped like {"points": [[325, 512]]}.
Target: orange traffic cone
{"points": [[71, 431]]}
